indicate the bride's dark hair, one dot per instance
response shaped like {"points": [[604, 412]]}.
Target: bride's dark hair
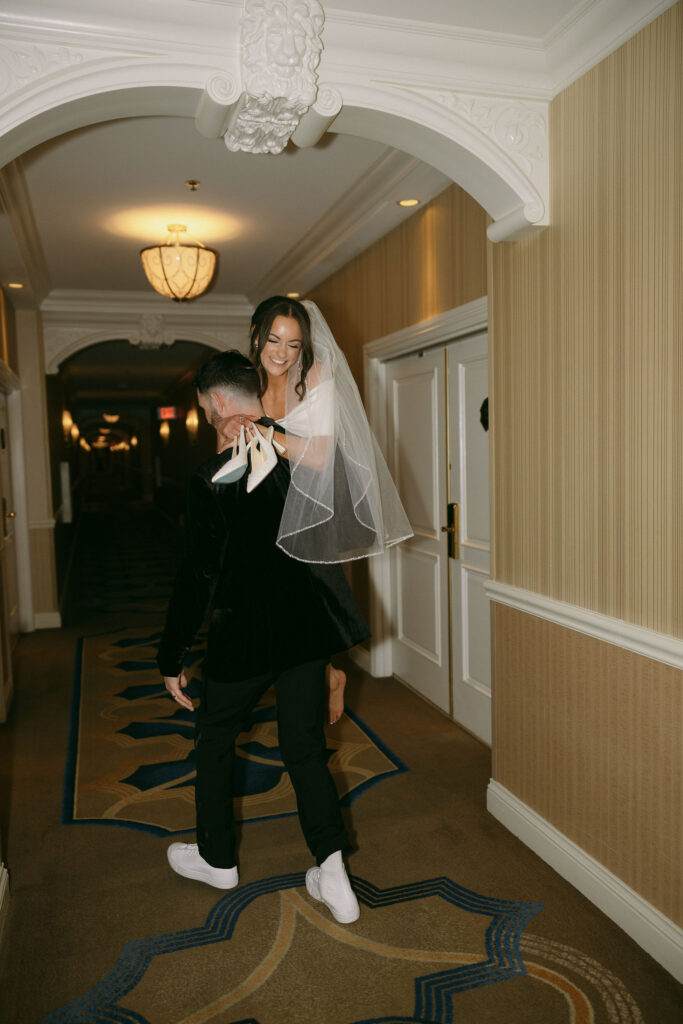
{"points": [[261, 324]]}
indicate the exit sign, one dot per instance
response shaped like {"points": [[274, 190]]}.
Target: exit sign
{"points": [[168, 412]]}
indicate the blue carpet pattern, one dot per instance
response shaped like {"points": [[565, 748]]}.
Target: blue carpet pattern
{"points": [[434, 994]]}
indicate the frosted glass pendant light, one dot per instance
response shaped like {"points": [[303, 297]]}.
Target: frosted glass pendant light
{"points": [[179, 268]]}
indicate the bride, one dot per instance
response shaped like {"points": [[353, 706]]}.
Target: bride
{"points": [[341, 502]]}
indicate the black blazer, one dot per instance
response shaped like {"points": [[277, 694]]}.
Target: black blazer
{"points": [[268, 611]]}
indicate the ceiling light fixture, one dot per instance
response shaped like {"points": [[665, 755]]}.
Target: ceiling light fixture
{"points": [[293, 295], [408, 202], [192, 184], [111, 417], [179, 269], [15, 284]]}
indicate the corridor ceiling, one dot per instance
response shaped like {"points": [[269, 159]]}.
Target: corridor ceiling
{"points": [[79, 207]]}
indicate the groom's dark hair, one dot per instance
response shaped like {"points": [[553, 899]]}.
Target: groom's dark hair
{"points": [[230, 370]]}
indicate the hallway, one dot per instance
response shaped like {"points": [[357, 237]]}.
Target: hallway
{"points": [[98, 929]]}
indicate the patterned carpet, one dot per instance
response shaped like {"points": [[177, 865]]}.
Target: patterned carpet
{"points": [[131, 750], [459, 921], [462, 947]]}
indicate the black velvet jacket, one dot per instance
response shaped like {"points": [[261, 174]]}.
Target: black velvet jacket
{"points": [[268, 611]]}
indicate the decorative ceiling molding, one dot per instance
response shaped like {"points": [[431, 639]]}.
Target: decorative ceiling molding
{"points": [[16, 202], [280, 47], [75, 320], [351, 223], [471, 104]]}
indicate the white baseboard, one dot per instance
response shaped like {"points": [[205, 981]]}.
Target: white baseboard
{"points": [[48, 620], [658, 936], [361, 656], [4, 897]]}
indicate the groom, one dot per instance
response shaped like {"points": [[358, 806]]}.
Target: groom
{"points": [[274, 622]]}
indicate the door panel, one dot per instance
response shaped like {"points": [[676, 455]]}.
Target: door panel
{"points": [[415, 389], [419, 612], [469, 486]]}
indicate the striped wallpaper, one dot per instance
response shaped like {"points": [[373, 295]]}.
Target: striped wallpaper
{"points": [[587, 326]]}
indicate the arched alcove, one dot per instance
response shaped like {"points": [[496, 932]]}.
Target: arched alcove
{"points": [[494, 147]]}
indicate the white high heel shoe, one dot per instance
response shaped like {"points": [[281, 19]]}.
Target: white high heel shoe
{"points": [[263, 457], [236, 466]]}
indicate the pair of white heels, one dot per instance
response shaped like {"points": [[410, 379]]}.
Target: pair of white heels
{"points": [[261, 447]]}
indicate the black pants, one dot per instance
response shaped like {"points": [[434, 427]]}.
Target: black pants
{"points": [[224, 707]]}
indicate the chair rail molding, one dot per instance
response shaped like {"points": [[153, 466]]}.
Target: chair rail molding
{"points": [[646, 642]]}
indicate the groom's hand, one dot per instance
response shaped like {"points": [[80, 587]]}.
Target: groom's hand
{"points": [[228, 428], [175, 686]]}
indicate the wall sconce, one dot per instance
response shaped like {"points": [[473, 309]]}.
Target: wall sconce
{"points": [[134, 441], [75, 432], [192, 424], [165, 431]]}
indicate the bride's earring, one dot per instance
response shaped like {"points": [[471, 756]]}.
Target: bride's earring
{"points": [[236, 466]]}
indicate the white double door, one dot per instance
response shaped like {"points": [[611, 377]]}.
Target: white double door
{"points": [[438, 450]]}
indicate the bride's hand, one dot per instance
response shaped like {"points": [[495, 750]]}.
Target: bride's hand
{"points": [[228, 429]]}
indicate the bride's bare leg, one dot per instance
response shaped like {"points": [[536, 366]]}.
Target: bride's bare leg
{"points": [[336, 681]]}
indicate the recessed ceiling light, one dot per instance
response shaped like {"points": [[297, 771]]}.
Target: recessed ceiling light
{"points": [[293, 295], [15, 284], [408, 202]]}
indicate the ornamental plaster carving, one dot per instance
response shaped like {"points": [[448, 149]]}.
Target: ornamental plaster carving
{"points": [[280, 52], [151, 333], [23, 64], [517, 128]]}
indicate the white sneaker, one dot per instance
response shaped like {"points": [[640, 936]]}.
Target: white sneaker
{"points": [[330, 885], [186, 860]]}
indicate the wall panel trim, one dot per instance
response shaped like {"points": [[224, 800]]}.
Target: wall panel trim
{"points": [[655, 933], [47, 620], [4, 897], [648, 643]]}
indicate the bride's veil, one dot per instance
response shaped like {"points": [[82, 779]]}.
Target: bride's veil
{"points": [[341, 503]]}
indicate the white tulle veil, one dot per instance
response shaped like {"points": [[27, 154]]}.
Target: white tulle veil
{"points": [[341, 503]]}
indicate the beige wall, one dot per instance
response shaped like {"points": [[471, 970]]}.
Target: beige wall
{"points": [[589, 736], [587, 353], [585, 342], [434, 261], [587, 335], [31, 371]]}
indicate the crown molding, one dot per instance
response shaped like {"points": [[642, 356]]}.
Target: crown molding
{"points": [[74, 320], [375, 46], [68, 302], [364, 213]]}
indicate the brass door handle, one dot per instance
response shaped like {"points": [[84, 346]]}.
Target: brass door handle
{"points": [[453, 530]]}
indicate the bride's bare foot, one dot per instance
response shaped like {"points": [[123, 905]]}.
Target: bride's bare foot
{"points": [[336, 681]]}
